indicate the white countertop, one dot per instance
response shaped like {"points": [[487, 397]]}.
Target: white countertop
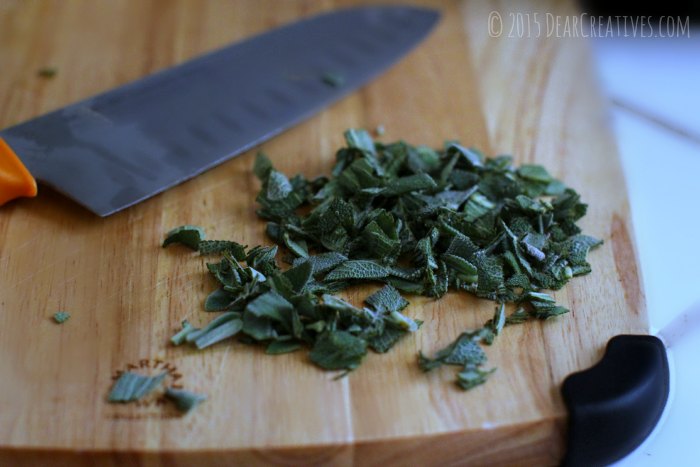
{"points": [[654, 90]]}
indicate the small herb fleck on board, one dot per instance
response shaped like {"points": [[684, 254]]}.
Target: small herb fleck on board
{"points": [[47, 72], [333, 79], [61, 317]]}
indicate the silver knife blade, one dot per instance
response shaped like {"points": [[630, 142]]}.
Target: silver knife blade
{"points": [[116, 149]]}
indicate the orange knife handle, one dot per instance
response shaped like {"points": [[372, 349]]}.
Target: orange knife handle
{"points": [[15, 179]]}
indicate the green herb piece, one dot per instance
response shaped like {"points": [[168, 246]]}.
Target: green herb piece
{"points": [[536, 173], [278, 186], [208, 247], [184, 400], [133, 386], [410, 183], [280, 347], [220, 328], [358, 269], [333, 79], [299, 276], [338, 350], [181, 336], [262, 166], [463, 269], [464, 350], [218, 300], [47, 72], [519, 316], [472, 376], [472, 156], [387, 300], [259, 329], [325, 262], [402, 322], [360, 139], [499, 319], [298, 247], [270, 305], [221, 332], [61, 317], [188, 235], [389, 337], [218, 321]]}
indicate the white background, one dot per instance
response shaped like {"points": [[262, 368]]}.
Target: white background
{"points": [[654, 91]]}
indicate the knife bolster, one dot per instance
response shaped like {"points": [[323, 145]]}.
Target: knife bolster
{"points": [[15, 179]]}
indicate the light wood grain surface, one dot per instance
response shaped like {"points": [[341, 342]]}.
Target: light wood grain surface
{"points": [[533, 97]]}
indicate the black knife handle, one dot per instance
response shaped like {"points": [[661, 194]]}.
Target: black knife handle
{"points": [[615, 404]]}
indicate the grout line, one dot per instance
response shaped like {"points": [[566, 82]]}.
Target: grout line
{"points": [[656, 120]]}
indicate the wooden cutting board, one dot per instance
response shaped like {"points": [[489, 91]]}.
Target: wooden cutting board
{"points": [[533, 97]]}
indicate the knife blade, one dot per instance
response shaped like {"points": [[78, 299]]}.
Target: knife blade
{"points": [[121, 147]]}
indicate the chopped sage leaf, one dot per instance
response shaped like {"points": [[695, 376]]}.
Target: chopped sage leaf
{"points": [[213, 324], [184, 400], [133, 386], [464, 350], [188, 235], [360, 139], [332, 79], [472, 376], [270, 305], [338, 350], [358, 269], [208, 247], [61, 317], [219, 333], [181, 336], [298, 247], [218, 300], [499, 319], [47, 72], [325, 262], [388, 338], [387, 300], [535, 173], [519, 316], [280, 347], [278, 186]]}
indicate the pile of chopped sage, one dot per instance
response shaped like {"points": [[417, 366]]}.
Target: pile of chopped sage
{"points": [[413, 219]]}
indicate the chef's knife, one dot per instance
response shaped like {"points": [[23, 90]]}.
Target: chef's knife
{"points": [[116, 149]]}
